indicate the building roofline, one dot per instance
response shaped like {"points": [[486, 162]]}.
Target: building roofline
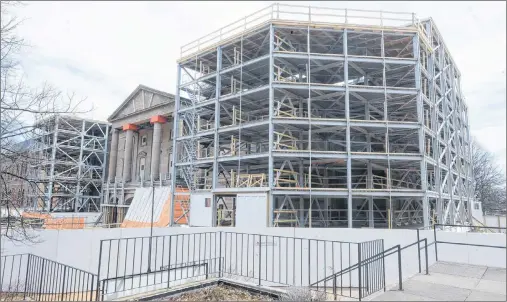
{"points": [[133, 93]]}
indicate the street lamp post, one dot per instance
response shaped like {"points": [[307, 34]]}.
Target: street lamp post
{"points": [[151, 224]]}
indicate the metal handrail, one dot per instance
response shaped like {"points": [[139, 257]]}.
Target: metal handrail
{"points": [[461, 243], [45, 279], [290, 12], [380, 256]]}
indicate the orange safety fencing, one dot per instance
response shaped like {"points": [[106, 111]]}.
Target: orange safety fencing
{"points": [[58, 223]]}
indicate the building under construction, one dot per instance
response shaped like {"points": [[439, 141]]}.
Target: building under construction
{"points": [[321, 117], [67, 164]]}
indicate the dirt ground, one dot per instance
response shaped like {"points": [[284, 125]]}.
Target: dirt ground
{"points": [[220, 293]]}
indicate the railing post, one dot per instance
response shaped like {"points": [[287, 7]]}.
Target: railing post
{"points": [[98, 270], [334, 286], [220, 256], [418, 250], [91, 291], [426, 254], [26, 276], [169, 264], [309, 263], [399, 268], [63, 282], [102, 290], [41, 277], [383, 266], [359, 270], [435, 241], [260, 259]]}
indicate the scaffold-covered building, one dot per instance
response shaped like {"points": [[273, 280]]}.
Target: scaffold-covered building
{"points": [[321, 117], [67, 164]]}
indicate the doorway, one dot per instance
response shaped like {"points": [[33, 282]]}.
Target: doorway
{"points": [[225, 211]]}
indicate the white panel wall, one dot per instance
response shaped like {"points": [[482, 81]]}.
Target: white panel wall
{"points": [[251, 211], [495, 221], [200, 215], [80, 248], [476, 255]]}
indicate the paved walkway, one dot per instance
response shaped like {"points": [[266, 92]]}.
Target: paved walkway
{"points": [[452, 282]]}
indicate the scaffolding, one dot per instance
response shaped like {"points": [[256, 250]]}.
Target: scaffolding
{"points": [[345, 117], [68, 164]]}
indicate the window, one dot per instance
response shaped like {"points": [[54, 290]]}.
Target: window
{"points": [[144, 140], [207, 202], [171, 134], [476, 206]]}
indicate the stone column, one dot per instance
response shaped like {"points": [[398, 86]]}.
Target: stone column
{"points": [[127, 159], [157, 122], [113, 155]]}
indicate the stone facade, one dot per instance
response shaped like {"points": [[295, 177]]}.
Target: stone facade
{"points": [[142, 124]]}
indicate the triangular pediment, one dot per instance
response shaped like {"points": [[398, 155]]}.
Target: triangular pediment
{"points": [[141, 99]]}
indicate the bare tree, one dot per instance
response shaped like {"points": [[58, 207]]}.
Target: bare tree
{"points": [[489, 179], [21, 107]]}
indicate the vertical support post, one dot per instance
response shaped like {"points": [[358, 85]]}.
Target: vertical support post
{"points": [[435, 241], [217, 118], [260, 258], [421, 131], [26, 276], [334, 286], [309, 264], [371, 215], [105, 183], [169, 262], [52, 171], [359, 271], [113, 155], [98, 271], [426, 254], [220, 272], [419, 250], [63, 283], [127, 161], [347, 117], [400, 277], [41, 278], [151, 225], [157, 122], [383, 266], [77, 198], [175, 151], [271, 127]]}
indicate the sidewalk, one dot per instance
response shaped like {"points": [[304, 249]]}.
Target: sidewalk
{"points": [[452, 282]]}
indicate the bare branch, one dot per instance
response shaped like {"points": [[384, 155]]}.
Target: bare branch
{"points": [[21, 109]]}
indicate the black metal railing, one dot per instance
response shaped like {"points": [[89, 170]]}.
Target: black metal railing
{"points": [[133, 265], [474, 228], [12, 277], [29, 276], [371, 269]]}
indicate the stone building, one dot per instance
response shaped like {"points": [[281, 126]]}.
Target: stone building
{"points": [[140, 152]]}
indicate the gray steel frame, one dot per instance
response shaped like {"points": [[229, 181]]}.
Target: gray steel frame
{"points": [[69, 164], [395, 116]]}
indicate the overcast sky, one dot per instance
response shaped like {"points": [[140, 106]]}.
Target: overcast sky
{"points": [[103, 50]]}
